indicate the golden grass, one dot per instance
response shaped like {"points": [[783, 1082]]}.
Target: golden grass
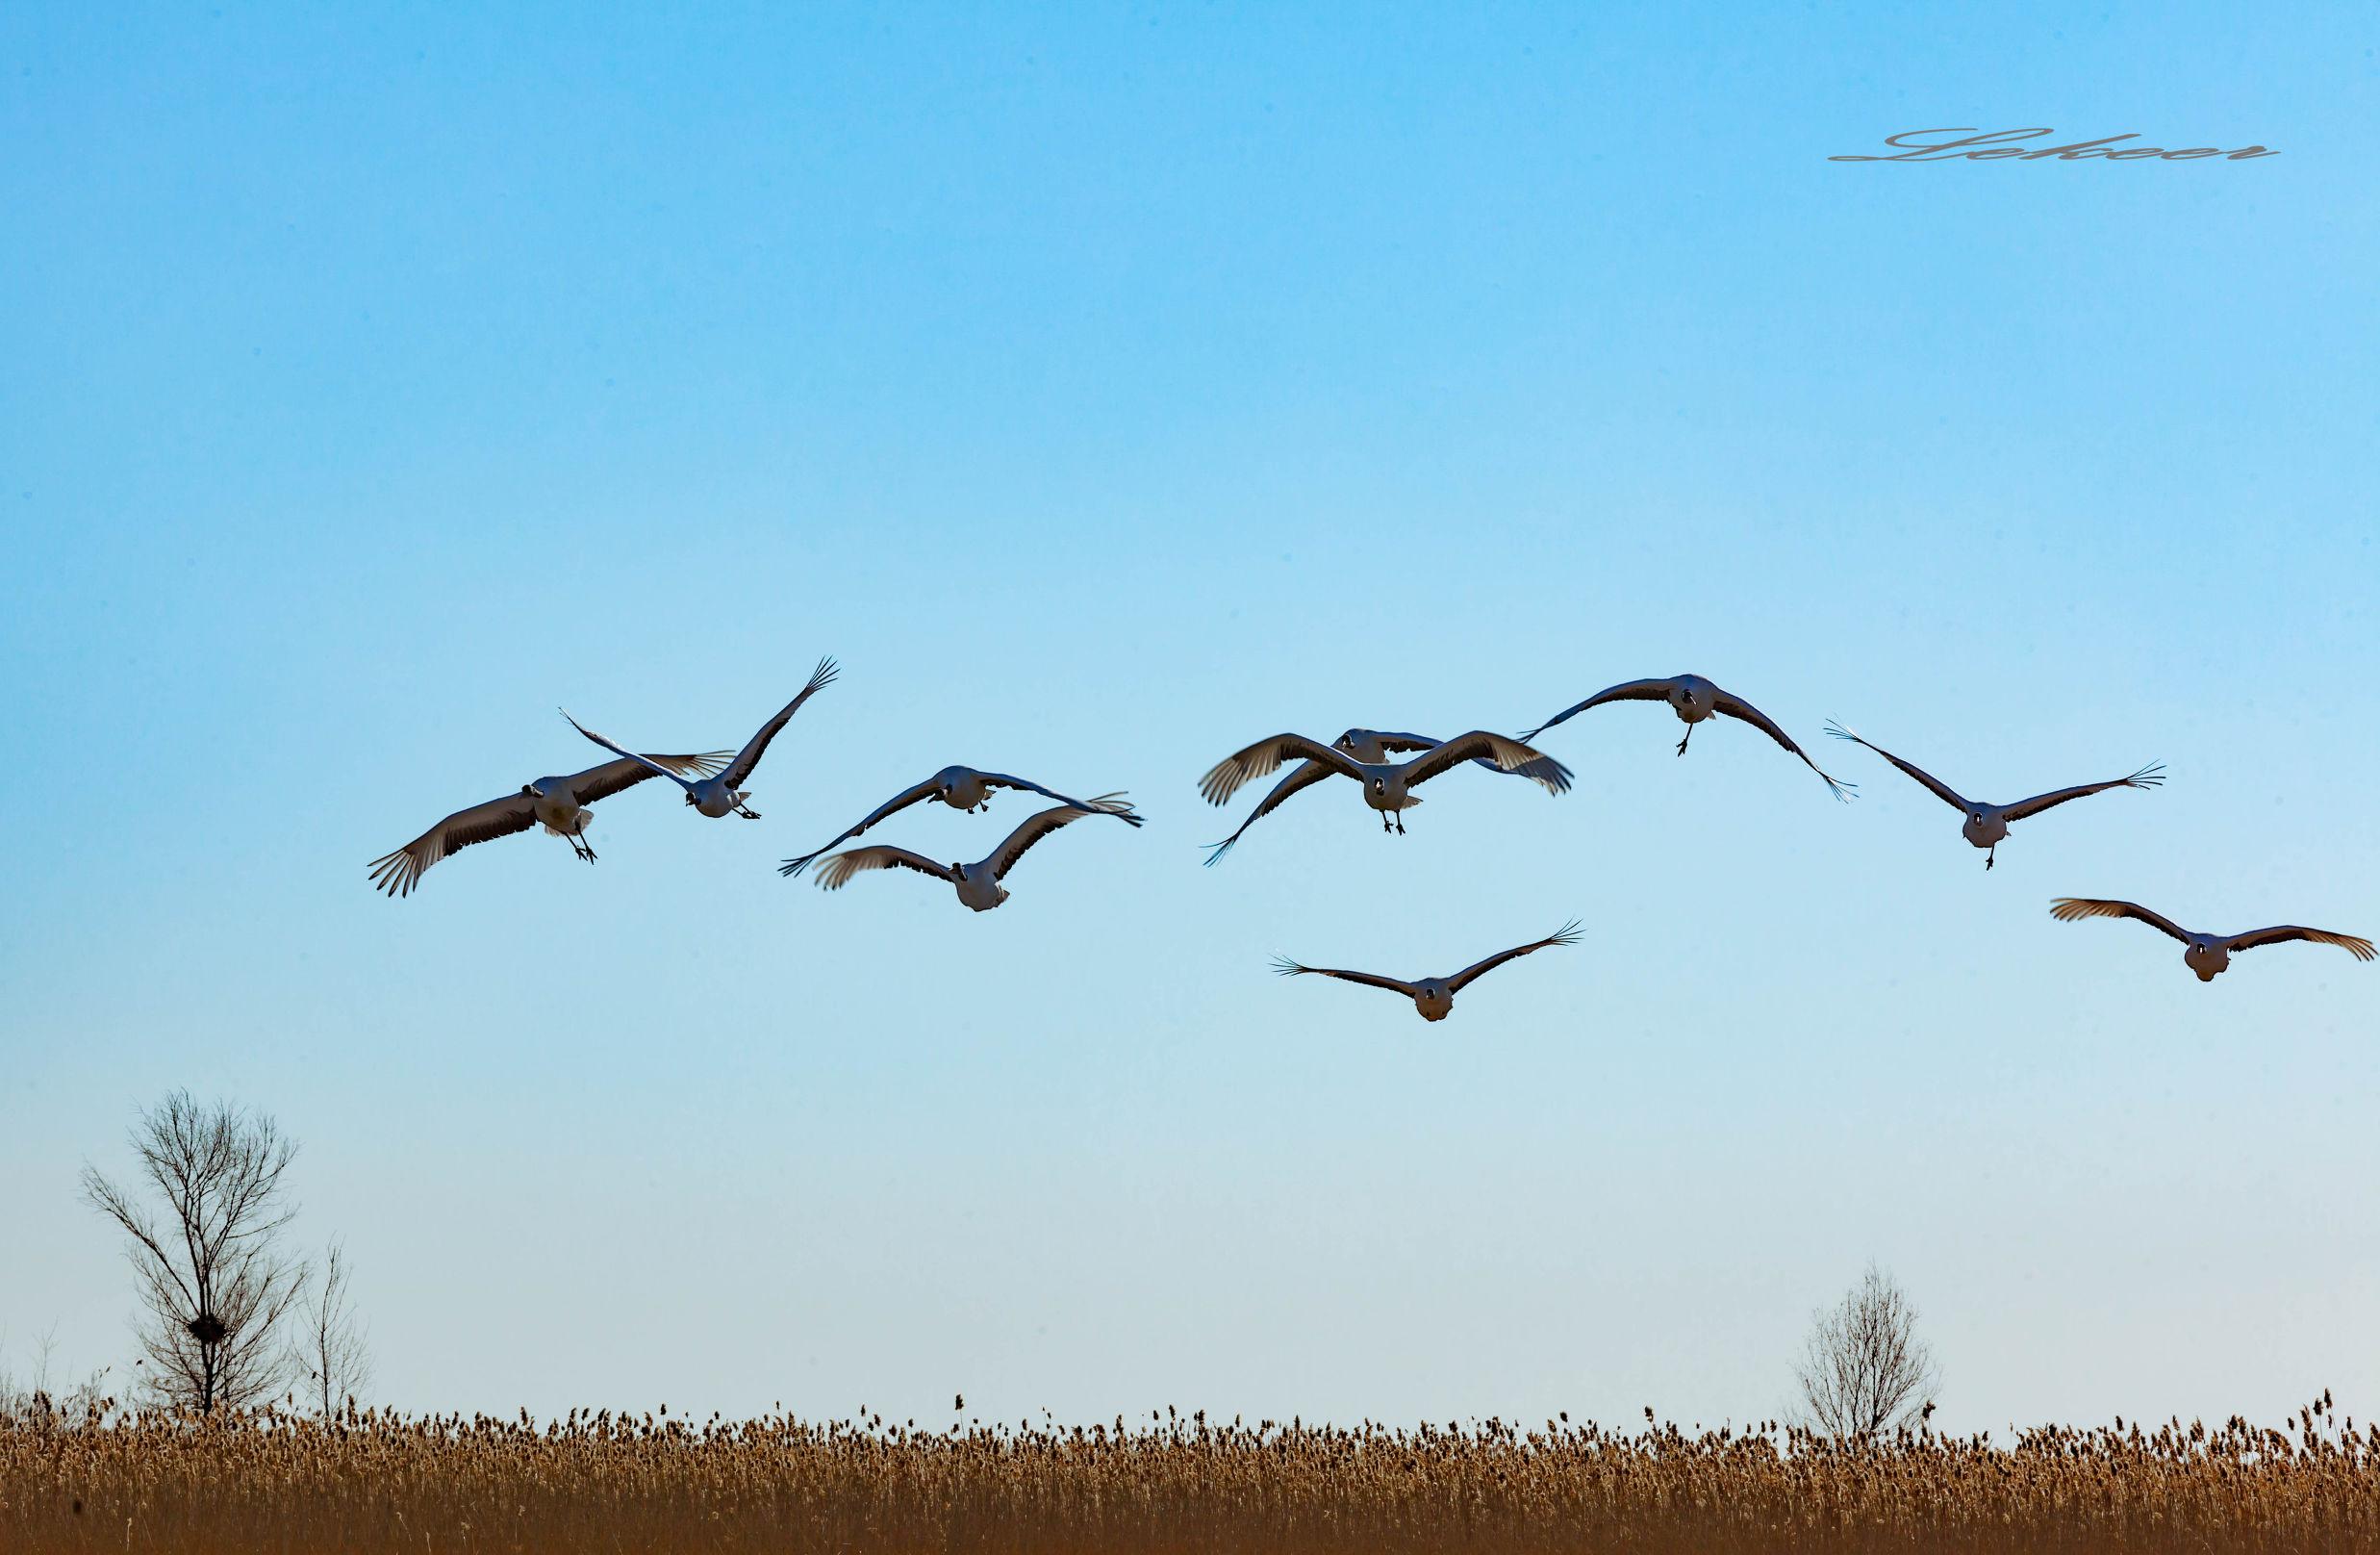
{"points": [[379, 1482]]}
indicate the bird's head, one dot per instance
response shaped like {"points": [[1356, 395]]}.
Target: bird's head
{"points": [[532, 791], [1380, 785], [688, 798]]}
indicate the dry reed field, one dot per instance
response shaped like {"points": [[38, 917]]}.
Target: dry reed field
{"points": [[374, 1482]]}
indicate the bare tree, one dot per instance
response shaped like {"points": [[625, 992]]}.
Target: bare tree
{"points": [[1866, 1369], [211, 1269], [40, 1398], [330, 1353]]}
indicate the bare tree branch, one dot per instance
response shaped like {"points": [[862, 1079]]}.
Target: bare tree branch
{"points": [[1866, 1369], [331, 1354]]}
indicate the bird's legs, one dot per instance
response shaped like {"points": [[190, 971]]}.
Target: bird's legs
{"points": [[1399, 825], [582, 848], [1689, 734], [1989, 854], [1385, 826], [747, 811]]}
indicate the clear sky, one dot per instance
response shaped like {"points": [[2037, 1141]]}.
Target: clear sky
{"points": [[1108, 388]]}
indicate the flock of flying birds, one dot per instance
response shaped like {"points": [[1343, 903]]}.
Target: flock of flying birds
{"points": [[713, 784]]}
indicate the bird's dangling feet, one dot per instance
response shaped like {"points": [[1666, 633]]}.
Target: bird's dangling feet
{"points": [[1385, 826], [1399, 825], [1989, 854], [1689, 734], [584, 850], [747, 812]]}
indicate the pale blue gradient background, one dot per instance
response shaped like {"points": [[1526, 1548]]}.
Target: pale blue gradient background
{"points": [[1108, 390]]}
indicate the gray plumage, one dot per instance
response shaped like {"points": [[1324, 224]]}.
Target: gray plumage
{"points": [[977, 883], [1986, 824], [723, 794], [1432, 997], [1694, 698], [558, 803], [1374, 746], [1387, 785], [2207, 955], [962, 788]]}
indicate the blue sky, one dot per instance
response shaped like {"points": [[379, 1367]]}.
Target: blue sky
{"points": [[1109, 389]]}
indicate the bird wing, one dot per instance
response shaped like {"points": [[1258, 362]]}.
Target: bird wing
{"points": [[1566, 935], [1039, 825], [1288, 968], [2069, 908], [2355, 945], [623, 752], [1625, 691], [892, 806], [1537, 771], [1505, 753], [749, 756], [1735, 706], [2149, 776], [602, 783], [1387, 740], [1306, 776], [1225, 776], [1941, 790], [1544, 772], [859, 860], [397, 874], [1120, 811]]}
